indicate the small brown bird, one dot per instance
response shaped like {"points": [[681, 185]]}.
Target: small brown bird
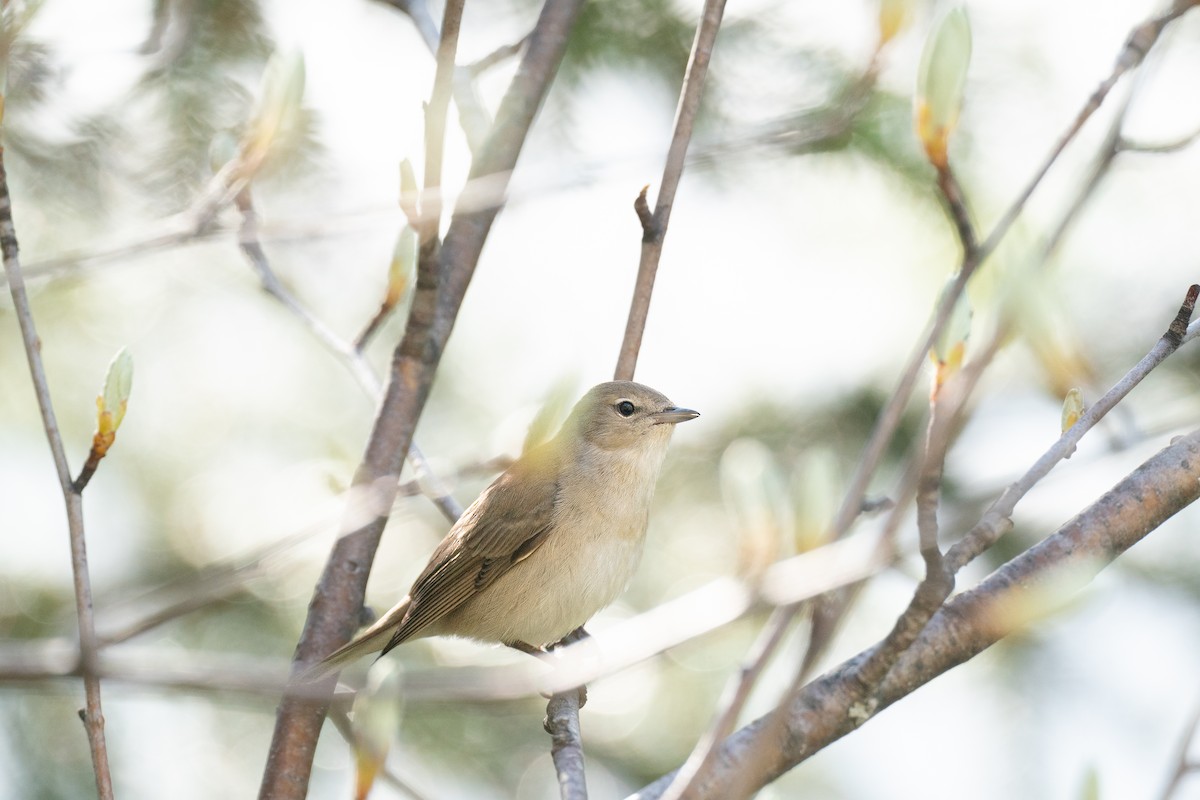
{"points": [[550, 542]]}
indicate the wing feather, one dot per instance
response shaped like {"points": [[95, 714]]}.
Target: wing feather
{"points": [[507, 523]]}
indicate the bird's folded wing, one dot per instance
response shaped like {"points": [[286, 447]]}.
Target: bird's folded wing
{"points": [[508, 522]]}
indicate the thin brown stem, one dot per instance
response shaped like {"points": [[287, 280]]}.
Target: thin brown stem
{"points": [[1184, 764], [341, 721], [1138, 43], [957, 205], [836, 704], [938, 581], [654, 230], [497, 56], [93, 713], [998, 519], [733, 700]]}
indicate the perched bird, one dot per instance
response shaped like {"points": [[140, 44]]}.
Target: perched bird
{"points": [[550, 542]]}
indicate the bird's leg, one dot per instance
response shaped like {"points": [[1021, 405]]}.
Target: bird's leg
{"points": [[526, 647], [577, 635]]}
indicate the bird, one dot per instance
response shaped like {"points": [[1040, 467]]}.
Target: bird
{"points": [[550, 542]]}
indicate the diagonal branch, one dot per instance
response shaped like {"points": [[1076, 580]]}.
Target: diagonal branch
{"points": [[1064, 562], [1139, 42], [437, 298]]}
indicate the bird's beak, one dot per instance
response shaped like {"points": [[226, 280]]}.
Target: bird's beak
{"points": [[673, 416]]}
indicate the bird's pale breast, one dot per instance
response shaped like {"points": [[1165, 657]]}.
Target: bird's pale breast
{"points": [[588, 559]]}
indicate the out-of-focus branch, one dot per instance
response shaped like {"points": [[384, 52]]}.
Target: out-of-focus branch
{"points": [[472, 115], [93, 714], [733, 700], [341, 721], [435, 124], [497, 56], [654, 227], [345, 352], [334, 610], [1138, 43], [1185, 765], [998, 518], [836, 704]]}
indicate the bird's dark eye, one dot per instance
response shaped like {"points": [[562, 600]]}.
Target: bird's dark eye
{"points": [[626, 408]]}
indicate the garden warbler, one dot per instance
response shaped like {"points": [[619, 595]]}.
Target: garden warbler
{"points": [[550, 542]]}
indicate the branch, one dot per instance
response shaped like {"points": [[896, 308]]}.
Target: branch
{"points": [[737, 692], [93, 714], [654, 229], [472, 115], [345, 352], [435, 124], [339, 593], [998, 520], [562, 723], [835, 704], [1137, 44], [1184, 765]]}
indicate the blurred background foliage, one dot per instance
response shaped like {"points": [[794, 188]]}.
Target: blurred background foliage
{"points": [[807, 248]]}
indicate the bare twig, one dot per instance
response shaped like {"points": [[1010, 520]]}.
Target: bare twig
{"points": [[835, 704], [500, 54], [93, 714], [345, 352], [472, 115], [435, 123], [668, 625], [956, 203], [733, 700], [998, 518], [1184, 764], [1138, 43], [938, 580], [654, 230], [438, 296], [562, 723]]}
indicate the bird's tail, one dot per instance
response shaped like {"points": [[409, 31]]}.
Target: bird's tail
{"points": [[371, 640]]}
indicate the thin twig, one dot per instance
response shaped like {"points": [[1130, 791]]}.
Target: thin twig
{"points": [[472, 115], [655, 231], [1184, 763], [956, 203], [836, 704], [345, 352], [500, 54], [938, 580], [675, 622], [93, 714], [1139, 41], [998, 518], [733, 700], [562, 723], [435, 123]]}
